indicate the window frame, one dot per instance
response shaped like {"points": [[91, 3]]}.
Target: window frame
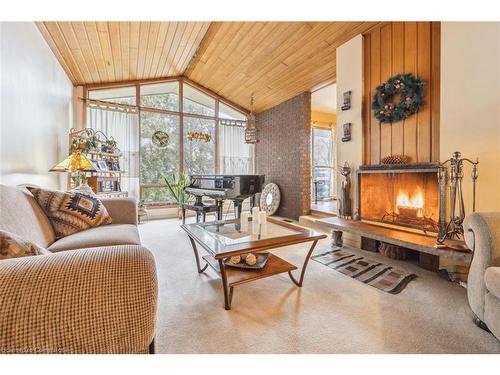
{"points": [[331, 167], [138, 108]]}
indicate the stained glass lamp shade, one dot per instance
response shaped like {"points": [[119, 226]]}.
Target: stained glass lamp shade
{"points": [[75, 162]]}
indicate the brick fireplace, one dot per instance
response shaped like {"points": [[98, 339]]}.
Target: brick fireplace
{"points": [[409, 195]]}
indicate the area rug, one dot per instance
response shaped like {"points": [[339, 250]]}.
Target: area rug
{"points": [[372, 272]]}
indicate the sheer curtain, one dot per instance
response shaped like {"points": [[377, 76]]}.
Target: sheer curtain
{"points": [[124, 128], [235, 154]]}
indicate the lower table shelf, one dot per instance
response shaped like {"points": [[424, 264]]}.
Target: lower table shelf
{"points": [[236, 276]]}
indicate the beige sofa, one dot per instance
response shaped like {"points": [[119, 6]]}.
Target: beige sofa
{"points": [[96, 292], [482, 234]]}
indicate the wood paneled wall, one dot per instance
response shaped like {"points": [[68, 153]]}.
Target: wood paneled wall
{"points": [[393, 48]]}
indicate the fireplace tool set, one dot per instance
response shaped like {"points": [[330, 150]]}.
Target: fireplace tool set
{"points": [[454, 228]]}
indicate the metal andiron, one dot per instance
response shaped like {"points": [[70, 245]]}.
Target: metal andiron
{"points": [[454, 227]]}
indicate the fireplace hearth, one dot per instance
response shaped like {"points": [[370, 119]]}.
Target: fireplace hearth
{"points": [[409, 195]]}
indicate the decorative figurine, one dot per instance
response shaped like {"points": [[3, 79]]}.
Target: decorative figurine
{"points": [[345, 209], [347, 132], [347, 101]]}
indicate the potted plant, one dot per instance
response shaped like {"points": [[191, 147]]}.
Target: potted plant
{"points": [[176, 187], [91, 144], [109, 146]]}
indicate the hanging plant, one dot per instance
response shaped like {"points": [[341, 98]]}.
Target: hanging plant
{"points": [[411, 91]]}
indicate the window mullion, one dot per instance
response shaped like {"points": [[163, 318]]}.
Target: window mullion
{"points": [[181, 125], [216, 140]]}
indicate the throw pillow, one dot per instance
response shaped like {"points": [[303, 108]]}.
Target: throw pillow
{"points": [[71, 212], [13, 246]]}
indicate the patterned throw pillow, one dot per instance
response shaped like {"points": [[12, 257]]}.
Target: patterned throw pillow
{"points": [[13, 246], [71, 212]]}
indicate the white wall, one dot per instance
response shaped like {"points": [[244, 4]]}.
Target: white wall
{"points": [[35, 108], [470, 104], [350, 78]]}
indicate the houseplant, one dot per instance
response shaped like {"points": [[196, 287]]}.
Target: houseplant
{"points": [[109, 146], [176, 187]]}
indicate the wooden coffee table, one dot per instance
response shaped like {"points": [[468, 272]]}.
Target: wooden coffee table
{"points": [[223, 239]]}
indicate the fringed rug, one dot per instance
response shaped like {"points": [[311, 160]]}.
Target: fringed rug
{"points": [[369, 271]]}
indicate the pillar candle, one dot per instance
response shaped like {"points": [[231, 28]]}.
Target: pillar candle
{"points": [[255, 215], [244, 221], [262, 217]]}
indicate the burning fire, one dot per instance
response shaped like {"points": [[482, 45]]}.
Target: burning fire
{"points": [[414, 203]]}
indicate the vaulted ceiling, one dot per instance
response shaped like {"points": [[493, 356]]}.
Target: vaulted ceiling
{"points": [[273, 60]]}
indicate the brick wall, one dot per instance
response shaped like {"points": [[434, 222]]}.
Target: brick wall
{"points": [[283, 153]]}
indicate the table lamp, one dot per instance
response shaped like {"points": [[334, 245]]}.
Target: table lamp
{"points": [[75, 163]]}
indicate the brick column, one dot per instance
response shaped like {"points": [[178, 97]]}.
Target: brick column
{"points": [[284, 153]]}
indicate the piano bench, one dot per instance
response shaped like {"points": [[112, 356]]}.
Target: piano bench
{"points": [[201, 210]]}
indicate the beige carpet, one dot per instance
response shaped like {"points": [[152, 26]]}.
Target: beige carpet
{"points": [[331, 313]]}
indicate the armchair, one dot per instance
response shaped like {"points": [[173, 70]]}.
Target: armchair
{"points": [[482, 235]]}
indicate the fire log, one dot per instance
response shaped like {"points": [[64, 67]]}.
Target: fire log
{"points": [[392, 251]]}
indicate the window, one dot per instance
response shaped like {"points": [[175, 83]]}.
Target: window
{"points": [[235, 154], [197, 102], [119, 95], [212, 141], [199, 154], [322, 156], [158, 162], [161, 96], [227, 112]]}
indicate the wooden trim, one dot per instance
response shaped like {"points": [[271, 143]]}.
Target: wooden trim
{"points": [[202, 47], [366, 101], [85, 107], [217, 140], [94, 86], [181, 125], [375, 26], [110, 104], [436, 88], [181, 79]]}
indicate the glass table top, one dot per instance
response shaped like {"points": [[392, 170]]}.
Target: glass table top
{"points": [[231, 233]]}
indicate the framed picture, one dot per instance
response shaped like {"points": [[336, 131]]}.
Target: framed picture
{"points": [[103, 166], [95, 164]]}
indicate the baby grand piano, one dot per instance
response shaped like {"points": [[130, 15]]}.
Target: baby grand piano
{"points": [[220, 187]]}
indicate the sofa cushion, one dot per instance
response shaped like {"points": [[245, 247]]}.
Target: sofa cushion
{"points": [[21, 215], [106, 235], [71, 212], [13, 246], [492, 280]]}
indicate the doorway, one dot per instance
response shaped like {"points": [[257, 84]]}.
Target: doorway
{"points": [[323, 121]]}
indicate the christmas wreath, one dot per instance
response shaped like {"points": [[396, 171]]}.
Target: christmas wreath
{"points": [[411, 91]]}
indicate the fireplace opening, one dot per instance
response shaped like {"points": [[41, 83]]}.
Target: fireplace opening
{"points": [[402, 195]]}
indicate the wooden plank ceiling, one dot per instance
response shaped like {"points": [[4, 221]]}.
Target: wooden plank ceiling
{"points": [[273, 60], [99, 52]]}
